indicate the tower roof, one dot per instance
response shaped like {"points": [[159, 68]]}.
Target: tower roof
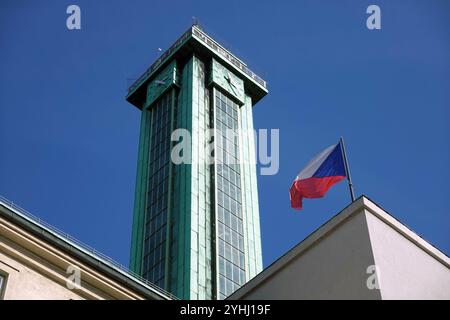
{"points": [[195, 40]]}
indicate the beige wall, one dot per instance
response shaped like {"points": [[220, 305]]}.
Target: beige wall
{"points": [[25, 283], [37, 270]]}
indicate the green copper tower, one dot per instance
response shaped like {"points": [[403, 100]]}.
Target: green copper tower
{"points": [[196, 229]]}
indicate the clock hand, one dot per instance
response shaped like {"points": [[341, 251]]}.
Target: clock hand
{"points": [[231, 86], [162, 81], [228, 78]]}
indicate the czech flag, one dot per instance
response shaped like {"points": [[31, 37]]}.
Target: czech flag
{"points": [[326, 169]]}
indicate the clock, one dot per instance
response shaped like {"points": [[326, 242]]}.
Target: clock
{"points": [[227, 81], [161, 83]]}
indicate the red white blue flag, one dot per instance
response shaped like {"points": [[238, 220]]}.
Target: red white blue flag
{"points": [[322, 172]]}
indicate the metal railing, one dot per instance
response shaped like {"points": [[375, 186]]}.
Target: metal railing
{"points": [[210, 43], [82, 246], [227, 55], [160, 60]]}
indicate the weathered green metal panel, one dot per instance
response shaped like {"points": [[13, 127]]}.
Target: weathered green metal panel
{"points": [[140, 194], [252, 239], [201, 208], [171, 198], [180, 203]]}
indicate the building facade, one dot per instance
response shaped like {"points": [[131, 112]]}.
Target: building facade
{"points": [[40, 262], [361, 253], [196, 226]]}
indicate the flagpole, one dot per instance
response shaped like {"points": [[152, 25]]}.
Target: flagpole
{"points": [[347, 170]]}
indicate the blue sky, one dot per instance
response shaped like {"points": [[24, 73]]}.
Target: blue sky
{"points": [[69, 139]]}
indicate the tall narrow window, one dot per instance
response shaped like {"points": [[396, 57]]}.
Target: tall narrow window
{"points": [[158, 184], [229, 204], [2, 285]]}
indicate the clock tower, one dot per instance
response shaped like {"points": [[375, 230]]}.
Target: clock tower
{"points": [[196, 226]]}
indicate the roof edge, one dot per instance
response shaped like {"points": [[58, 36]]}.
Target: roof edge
{"points": [[361, 203], [55, 237], [404, 230]]}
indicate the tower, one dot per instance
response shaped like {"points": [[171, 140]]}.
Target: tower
{"points": [[196, 226]]}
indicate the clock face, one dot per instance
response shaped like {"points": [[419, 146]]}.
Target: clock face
{"points": [[228, 81], [164, 80]]}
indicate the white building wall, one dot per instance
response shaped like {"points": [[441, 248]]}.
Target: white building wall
{"points": [[333, 267], [338, 261], [405, 270]]}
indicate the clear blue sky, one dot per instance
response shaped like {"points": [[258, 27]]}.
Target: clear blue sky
{"points": [[69, 139]]}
